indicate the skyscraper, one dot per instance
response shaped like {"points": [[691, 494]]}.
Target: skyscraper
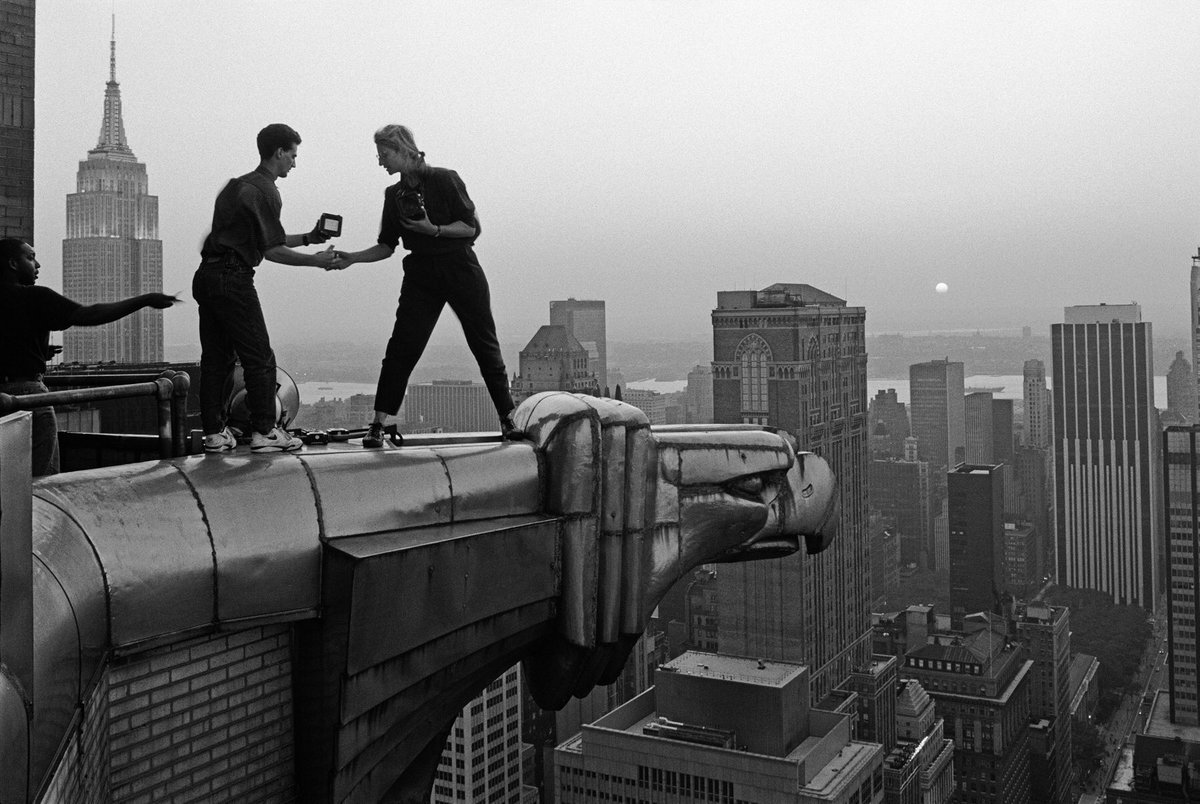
{"points": [[977, 571], [1037, 405], [112, 250], [1195, 297], [16, 119], [1181, 465], [1181, 390], [483, 755], [1046, 632], [794, 357], [584, 318], [937, 409], [1106, 452], [888, 418], [977, 409]]}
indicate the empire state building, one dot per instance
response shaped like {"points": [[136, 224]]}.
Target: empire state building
{"points": [[112, 250]]}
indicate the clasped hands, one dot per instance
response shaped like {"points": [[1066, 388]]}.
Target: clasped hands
{"points": [[332, 259]]}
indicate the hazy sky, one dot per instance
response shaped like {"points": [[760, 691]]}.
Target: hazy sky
{"points": [[1029, 154]]}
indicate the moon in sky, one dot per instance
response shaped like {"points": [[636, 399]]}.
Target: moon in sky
{"points": [[941, 287]]}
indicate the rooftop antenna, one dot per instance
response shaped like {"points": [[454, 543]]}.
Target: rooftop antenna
{"points": [[112, 48]]}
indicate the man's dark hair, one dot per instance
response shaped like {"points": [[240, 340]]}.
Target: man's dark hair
{"points": [[11, 248], [275, 136]]}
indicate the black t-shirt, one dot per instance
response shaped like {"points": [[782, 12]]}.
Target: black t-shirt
{"points": [[446, 201], [27, 314], [246, 219]]}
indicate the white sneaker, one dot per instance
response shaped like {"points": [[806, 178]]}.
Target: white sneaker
{"points": [[275, 441], [220, 442]]}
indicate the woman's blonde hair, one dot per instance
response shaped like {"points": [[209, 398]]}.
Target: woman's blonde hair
{"points": [[398, 138]]}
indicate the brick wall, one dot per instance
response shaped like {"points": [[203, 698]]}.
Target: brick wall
{"points": [[206, 720], [16, 118]]}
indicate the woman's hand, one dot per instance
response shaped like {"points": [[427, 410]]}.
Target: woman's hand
{"points": [[422, 226]]}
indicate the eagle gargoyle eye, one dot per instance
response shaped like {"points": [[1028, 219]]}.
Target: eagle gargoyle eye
{"points": [[750, 486]]}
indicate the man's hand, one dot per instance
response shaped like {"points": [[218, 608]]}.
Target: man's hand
{"points": [[160, 301], [316, 235], [324, 259]]}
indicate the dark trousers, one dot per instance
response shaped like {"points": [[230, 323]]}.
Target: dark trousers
{"points": [[44, 456], [430, 283], [232, 325]]}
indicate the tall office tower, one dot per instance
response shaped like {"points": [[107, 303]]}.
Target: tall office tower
{"points": [[977, 571], [1181, 465], [979, 682], [794, 357], [937, 409], [921, 766], [1046, 632], [720, 728], [1035, 503], [884, 554], [584, 319], [482, 760], [16, 119], [1003, 445], [1195, 297], [979, 427], [888, 423], [1038, 422], [1106, 453], [1021, 577], [899, 492], [1181, 391], [453, 406], [875, 685], [553, 361], [698, 404], [112, 250]]}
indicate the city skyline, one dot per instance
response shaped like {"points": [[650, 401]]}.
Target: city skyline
{"points": [[996, 150]]}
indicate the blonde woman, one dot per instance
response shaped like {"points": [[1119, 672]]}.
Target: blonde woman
{"points": [[430, 213]]}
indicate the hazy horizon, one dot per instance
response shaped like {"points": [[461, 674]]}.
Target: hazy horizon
{"points": [[1032, 156]]}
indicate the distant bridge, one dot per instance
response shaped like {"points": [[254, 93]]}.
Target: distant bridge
{"points": [[269, 627]]}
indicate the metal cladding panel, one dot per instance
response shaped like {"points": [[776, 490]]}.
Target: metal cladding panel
{"points": [[14, 743], [612, 532], [56, 667], [691, 458], [572, 483], [492, 480], [374, 491], [65, 551], [580, 577], [148, 530], [438, 580], [265, 531], [420, 667], [641, 468]]}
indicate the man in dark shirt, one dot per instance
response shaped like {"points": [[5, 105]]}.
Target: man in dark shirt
{"points": [[27, 314], [245, 230]]}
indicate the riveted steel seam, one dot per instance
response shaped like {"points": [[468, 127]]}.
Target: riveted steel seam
{"points": [[212, 545], [99, 564], [74, 618], [322, 538], [449, 484]]}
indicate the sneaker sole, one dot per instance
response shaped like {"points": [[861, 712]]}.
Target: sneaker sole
{"points": [[217, 450], [274, 448]]}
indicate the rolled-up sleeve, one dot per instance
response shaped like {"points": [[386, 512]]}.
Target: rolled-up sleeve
{"points": [[389, 222]]}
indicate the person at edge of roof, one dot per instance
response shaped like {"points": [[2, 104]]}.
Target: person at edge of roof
{"points": [[246, 229], [28, 312], [429, 211]]}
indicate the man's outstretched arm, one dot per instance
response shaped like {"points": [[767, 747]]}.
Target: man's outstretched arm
{"points": [[93, 315]]}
